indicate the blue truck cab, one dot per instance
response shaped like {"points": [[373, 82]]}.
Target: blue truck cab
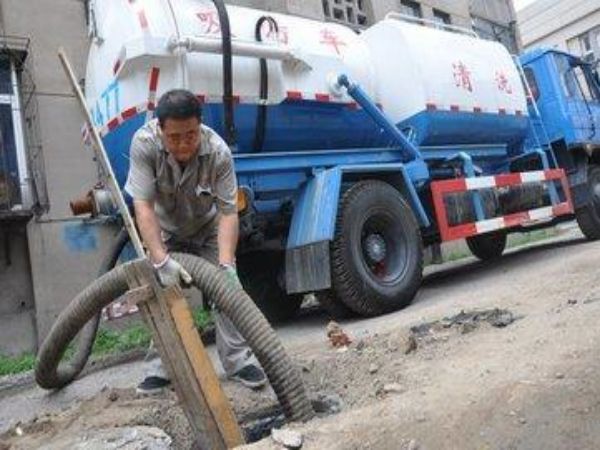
{"points": [[565, 111]]}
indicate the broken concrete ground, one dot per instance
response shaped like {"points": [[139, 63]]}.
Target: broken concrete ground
{"points": [[530, 384], [338, 378]]}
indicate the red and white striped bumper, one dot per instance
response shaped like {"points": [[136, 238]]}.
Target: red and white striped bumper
{"points": [[443, 187]]}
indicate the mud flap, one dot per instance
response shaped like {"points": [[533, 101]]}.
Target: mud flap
{"points": [[311, 230]]}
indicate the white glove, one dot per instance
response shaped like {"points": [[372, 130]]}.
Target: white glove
{"points": [[171, 273]]}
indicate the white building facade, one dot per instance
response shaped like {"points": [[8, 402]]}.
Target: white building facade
{"points": [[568, 25]]}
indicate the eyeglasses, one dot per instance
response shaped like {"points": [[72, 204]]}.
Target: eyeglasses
{"points": [[189, 137]]}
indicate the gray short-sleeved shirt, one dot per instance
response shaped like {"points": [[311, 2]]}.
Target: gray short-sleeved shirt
{"points": [[184, 199]]}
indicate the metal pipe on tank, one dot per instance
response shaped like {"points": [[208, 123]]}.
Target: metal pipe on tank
{"points": [[238, 48], [411, 152], [261, 117], [230, 134]]}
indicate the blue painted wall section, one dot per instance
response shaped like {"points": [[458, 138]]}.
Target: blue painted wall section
{"points": [[80, 237]]}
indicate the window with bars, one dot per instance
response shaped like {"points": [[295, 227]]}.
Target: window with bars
{"points": [[356, 13], [586, 45], [13, 158], [10, 194], [441, 17], [410, 8]]}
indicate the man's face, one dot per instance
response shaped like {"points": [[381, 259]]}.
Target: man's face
{"points": [[182, 138]]}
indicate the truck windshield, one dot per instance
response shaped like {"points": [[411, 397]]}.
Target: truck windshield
{"points": [[578, 82]]}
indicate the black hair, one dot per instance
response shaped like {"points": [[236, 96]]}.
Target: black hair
{"points": [[178, 104]]}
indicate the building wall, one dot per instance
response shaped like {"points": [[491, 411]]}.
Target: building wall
{"points": [[458, 10], [64, 253], [552, 23], [497, 20], [17, 309], [312, 9], [377, 9]]}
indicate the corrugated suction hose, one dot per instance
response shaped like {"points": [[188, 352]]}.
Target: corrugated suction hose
{"points": [[228, 298], [86, 339]]}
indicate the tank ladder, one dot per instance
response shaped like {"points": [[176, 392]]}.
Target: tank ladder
{"points": [[535, 117]]}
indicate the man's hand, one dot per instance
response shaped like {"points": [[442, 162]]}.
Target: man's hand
{"points": [[231, 274], [171, 273]]}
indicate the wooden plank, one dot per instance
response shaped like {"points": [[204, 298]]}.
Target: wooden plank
{"points": [[205, 432], [170, 349], [138, 295], [204, 370], [189, 386]]}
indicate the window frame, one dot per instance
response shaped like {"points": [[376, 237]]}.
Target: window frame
{"points": [[531, 80], [354, 13], [409, 6], [13, 99], [585, 86], [441, 17]]}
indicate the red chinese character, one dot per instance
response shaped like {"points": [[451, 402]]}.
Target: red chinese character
{"points": [[330, 38], [502, 81], [462, 76], [210, 21]]}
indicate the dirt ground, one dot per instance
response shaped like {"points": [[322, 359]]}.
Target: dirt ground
{"points": [[427, 377]]}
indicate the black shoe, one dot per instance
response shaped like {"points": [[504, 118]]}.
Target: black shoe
{"points": [[152, 385], [250, 376]]}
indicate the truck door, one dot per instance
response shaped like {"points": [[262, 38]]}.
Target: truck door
{"points": [[583, 100]]}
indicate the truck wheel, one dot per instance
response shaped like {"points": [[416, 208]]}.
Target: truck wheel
{"points": [[260, 274], [588, 217], [487, 246], [377, 253]]}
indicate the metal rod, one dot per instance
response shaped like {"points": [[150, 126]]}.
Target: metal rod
{"points": [[24, 176], [238, 48], [554, 199], [102, 156], [470, 172], [537, 119], [356, 92]]}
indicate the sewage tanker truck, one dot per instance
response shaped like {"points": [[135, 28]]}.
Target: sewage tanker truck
{"points": [[355, 151]]}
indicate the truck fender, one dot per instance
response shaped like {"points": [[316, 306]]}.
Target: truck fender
{"points": [[311, 230], [313, 220]]}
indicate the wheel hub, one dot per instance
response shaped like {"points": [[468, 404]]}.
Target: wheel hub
{"points": [[375, 248]]}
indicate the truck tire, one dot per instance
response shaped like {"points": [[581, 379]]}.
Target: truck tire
{"points": [[377, 251], [487, 246], [260, 274], [588, 217]]}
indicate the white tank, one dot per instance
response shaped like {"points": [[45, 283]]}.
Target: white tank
{"points": [[133, 37], [448, 87], [418, 68]]}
